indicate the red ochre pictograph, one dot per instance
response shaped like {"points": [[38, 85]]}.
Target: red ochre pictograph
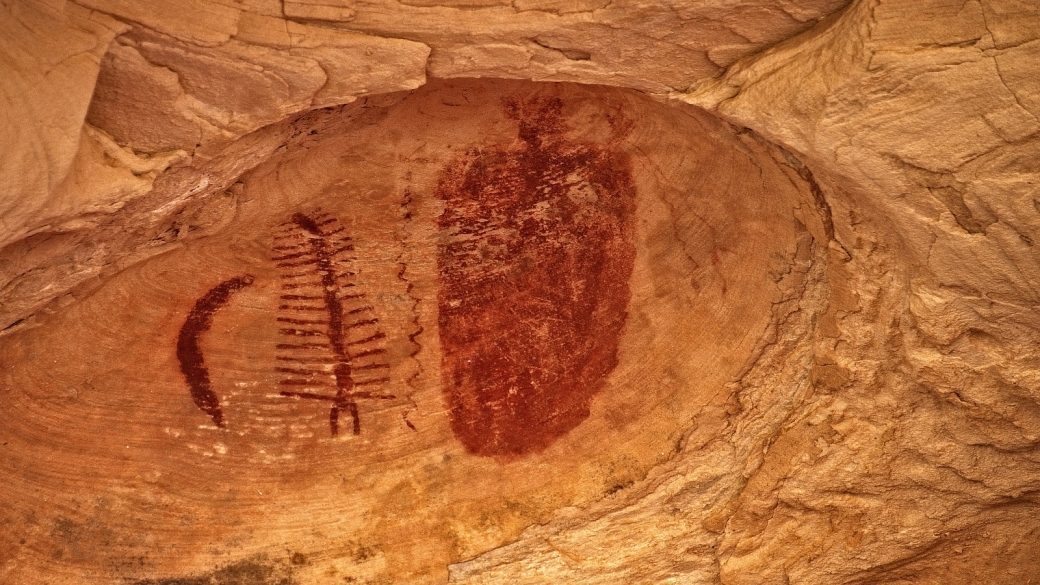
{"points": [[189, 353], [534, 281], [331, 345], [331, 342]]}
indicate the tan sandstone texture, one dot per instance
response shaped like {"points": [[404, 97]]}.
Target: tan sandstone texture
{"points": [[534, 291]]}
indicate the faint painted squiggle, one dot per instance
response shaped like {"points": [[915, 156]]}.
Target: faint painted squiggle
{"points": [[406, 206]]}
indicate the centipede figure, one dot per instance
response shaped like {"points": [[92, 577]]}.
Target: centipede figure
{"points": [[331, 336]]}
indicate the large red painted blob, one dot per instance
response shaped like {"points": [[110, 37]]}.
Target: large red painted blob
{"points": [[535, 270]]}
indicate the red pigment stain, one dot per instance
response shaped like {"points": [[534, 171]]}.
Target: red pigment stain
{"points": [[189, 353], [535, 270]]}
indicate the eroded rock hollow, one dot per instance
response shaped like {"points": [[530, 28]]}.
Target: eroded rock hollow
{"points": [[538, 292]]}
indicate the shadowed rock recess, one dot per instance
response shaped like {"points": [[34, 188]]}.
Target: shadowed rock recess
{"points": [[542, 291]]}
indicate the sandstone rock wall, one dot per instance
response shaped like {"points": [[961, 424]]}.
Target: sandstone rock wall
{"points": [[885, 429], [183, 80]]}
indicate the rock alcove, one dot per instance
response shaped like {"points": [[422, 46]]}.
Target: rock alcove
{"points": [[537, 291], [421, 325]]}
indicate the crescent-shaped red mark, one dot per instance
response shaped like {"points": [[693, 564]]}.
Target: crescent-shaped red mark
{"points": [[199, 320]]}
